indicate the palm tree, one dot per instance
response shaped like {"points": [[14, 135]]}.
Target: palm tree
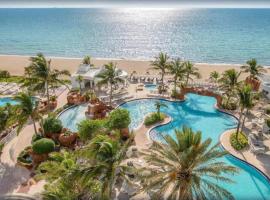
{"points": [[161, 63], [229, 83], [79, 79], [253, 68], [190, 71], [105, 157], [25, 110], [111, 76], [87, 61], [185, 167], [59, 164], [158, 105], [245, 102], [177, 70], [66, 188], [41, 77], [214, 76]]}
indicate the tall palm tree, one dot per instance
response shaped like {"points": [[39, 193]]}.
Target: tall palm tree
{"points": [[185, 167], [230, 83], [25, 110], [41, 77], [105, 157], [245, 102], [80, 80], [158, 105], [190, 71], [214, 76], [58, 164], [161, 63], [253, 68], [111, 76], [176, 68], [87, 61]]}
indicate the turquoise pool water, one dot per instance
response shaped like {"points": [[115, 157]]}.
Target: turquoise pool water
{"points": [[150, 87], [4, 101], [199, 113]]}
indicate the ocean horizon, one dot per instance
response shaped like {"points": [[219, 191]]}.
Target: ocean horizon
{"points": [[215, 36]]}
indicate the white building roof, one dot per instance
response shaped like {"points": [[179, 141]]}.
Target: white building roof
{"points": [[90, 73]]}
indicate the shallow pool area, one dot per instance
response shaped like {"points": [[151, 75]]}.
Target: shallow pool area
{"points": [[150, 87], [5, 100], [199, 113]]}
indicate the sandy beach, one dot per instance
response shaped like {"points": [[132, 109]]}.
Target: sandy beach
{"points": [[15, 65]]}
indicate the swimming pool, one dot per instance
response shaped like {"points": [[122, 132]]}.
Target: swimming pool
{"points": [[150, 87], [197, 112], [5, 100]]}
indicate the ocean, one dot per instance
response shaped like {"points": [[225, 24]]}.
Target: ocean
{"points": [[199, 35]]}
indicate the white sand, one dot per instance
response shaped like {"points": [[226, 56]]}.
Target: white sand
{"points": [[15, 65]]}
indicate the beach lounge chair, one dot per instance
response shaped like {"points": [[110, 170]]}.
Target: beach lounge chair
{"points": [[257, 146]]}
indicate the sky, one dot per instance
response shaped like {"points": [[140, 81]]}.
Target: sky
{"points": [[137, 3]]}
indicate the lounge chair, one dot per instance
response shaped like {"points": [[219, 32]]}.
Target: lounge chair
{"points": [[257, 146]]}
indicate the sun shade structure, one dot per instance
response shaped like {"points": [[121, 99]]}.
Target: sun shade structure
{"points": [[89, 75]]}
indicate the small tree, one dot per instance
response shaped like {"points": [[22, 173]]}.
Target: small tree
{"points": [[158, 105], [87, 61], [79, 79], [245, 102], [119, 119], [88, 128], [214, 76], [253, 68], [190, 71]]}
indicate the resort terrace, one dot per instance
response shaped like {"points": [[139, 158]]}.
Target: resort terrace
{"points": [[232, 111]]}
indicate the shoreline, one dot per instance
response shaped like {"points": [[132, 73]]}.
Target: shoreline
{"points": [[15, 65], [123, 59]]}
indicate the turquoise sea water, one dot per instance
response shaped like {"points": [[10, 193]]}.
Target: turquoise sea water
{"points": [[201, 35], [197, 112]]}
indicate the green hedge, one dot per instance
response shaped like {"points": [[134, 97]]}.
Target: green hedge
{"points": [[43, 146], [36, 137], [88, 128], [239, 144], [153, 118], [119, 119], [52, 125]]}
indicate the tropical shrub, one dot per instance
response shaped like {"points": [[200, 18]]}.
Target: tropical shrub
{"points": [[119, 119], [43, 146], [88, 128], [239, 144], [36, 137], [4, 74], [230, 105], [24, 157], [58, 164], [52, 125], [174, 94], [154, 118]]}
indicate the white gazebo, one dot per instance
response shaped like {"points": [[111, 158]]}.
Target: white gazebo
{"points": [[89, 75]]}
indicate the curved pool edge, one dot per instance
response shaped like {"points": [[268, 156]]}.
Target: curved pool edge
{"points": [[223, 146]]}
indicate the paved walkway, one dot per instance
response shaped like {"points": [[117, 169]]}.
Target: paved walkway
{"points": [[16, 175], [262, 162]]}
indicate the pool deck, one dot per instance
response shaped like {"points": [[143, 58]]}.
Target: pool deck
{"points": [[142, 138], [261, 161], [16, 175]]}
